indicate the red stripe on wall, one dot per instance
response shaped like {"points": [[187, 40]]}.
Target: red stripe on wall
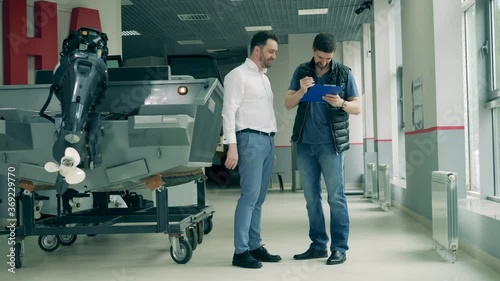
{"points": [[436, 128], [383, 140], [356, 143]]}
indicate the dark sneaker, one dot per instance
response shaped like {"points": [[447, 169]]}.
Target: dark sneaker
{"points": [[261, 254], [246, 260], [337, 257], [311, 254]]}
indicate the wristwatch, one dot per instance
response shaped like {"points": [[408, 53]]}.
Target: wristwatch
{"points": [[344, 104]]}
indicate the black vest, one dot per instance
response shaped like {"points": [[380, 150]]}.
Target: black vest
{"points": [[339, 119]]}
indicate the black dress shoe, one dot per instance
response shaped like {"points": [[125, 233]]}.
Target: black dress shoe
{"points": [[311, 254], [246, 260], [261, 254], [337, 257]]}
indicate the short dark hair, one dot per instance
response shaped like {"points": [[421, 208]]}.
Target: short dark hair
{"points": [[260, 39], [325, 42]]}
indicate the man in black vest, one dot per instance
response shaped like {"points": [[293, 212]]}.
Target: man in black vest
{"points": [[321, 133]]}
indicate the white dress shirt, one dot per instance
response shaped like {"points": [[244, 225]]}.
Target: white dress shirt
{"points": [[248, 101]]}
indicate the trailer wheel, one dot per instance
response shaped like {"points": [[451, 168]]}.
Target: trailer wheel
{"points": [[18, 255], [200, 228], [67, 239], [208, 225], [48, 243], [192, 236], [91, 224], [185, 253]]}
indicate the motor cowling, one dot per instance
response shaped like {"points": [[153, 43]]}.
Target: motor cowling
{"points": [[79, 82]]}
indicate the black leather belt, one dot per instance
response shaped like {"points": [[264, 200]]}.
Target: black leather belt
{"points": [[271, 134]]}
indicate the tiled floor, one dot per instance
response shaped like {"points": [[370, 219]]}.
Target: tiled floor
{"points": [[386, 246]]}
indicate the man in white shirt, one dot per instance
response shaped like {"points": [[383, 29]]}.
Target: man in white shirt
{"points": [[249, 126]]}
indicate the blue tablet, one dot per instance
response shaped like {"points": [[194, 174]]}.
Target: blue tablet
{"points": [[316, 92]]}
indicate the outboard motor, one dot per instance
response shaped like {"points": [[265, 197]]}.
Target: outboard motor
{"points": [[79, 82]]}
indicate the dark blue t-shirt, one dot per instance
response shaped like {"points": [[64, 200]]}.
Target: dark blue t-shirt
{"points": [[317, 126]]}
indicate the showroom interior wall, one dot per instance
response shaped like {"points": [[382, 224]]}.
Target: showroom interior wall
{"points": [[383, 79], [353, 164], [433, 60], [280, 79], [418, 62], [367, 98], [436, 61], [109, 13]]}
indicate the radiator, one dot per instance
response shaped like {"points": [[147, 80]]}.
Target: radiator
{"points": [[384, 187], [371, 181], [445, 213]]}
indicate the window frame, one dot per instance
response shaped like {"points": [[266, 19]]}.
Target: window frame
{"points": [[472, 162], [493, 103]]}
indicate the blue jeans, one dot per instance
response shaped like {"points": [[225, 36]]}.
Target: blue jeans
{"points": [[314, 160], [255, 165]]}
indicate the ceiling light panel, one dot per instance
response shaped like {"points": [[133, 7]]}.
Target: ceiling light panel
{"points": [[217, 50], [190, 17], [190, 42], [307, 12], [258, 28], [130, 33]]}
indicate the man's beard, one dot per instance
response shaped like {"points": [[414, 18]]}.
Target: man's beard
{"points": [[265, 62], [320, 66]]}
